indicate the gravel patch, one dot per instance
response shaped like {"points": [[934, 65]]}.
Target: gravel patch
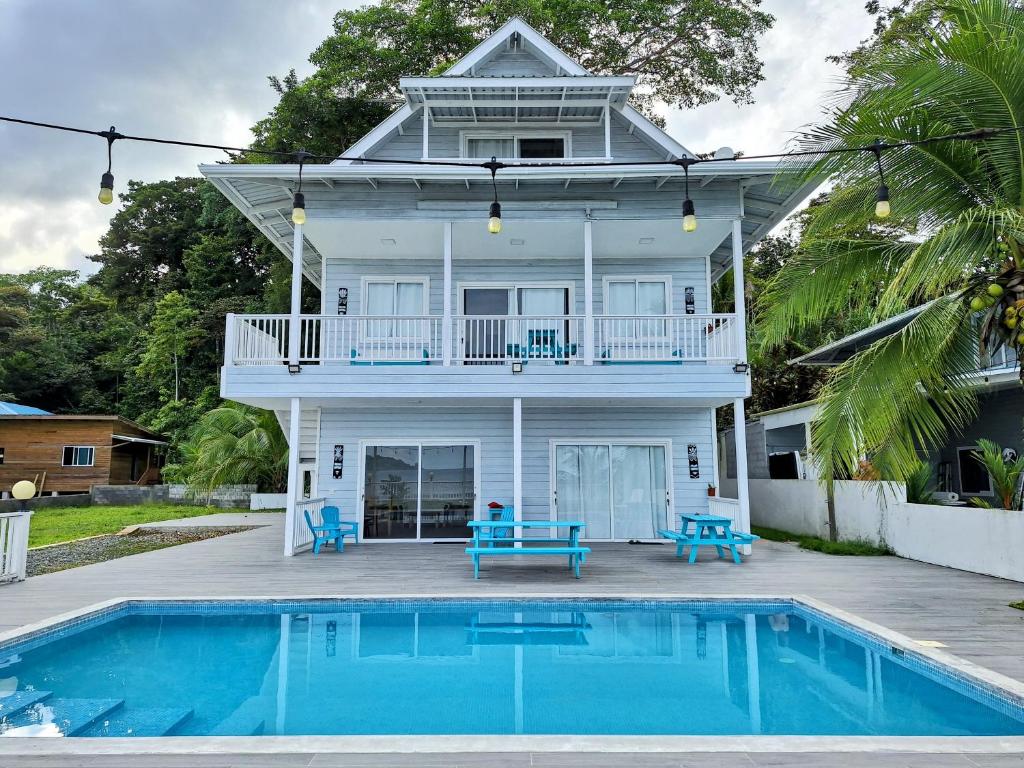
{"points": [[97, 549]]}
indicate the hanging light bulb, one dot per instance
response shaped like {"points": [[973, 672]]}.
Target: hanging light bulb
{"points": [[299, 208], [494, 216], [689, 216], [106, 195], [689, 212], [494, 222], [882, 208]]}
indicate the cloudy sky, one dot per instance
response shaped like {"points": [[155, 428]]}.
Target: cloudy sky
{"points": [[196, 70]]}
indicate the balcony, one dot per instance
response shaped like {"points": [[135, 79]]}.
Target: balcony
{"points": [[470, 341]]}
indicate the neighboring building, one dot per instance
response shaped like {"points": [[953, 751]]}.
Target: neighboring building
{"points": [[569, 365], [1000, 419], [70, 454]]}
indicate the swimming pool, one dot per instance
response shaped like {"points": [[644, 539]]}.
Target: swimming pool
{"points": [[436, 667]]}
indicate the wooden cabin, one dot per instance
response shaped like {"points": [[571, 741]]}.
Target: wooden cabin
{"points": [[70, 454]]}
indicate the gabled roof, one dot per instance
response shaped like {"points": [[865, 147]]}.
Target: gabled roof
{"points": [[567, 73], [13, 409]]}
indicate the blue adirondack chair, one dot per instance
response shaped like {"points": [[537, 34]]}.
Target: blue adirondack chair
{"points": [[333, 529], [506, 514]]}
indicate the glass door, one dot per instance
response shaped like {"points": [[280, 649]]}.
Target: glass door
{"points": [[484, 337], [419, 491], [620, 491]]}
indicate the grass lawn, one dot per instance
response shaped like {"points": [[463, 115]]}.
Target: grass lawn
{"points": [[54, 524], [1019, 606], [825, 546]]}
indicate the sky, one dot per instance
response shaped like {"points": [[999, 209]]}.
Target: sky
{"points": [[197, 70]]}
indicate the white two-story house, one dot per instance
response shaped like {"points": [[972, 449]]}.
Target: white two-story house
{"points": [[569, 364]]}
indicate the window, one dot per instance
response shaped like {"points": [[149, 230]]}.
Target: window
{"points": [[974, 479], [511, 146], [632, 297], [1, 455], [392, 298], [78, 456]]}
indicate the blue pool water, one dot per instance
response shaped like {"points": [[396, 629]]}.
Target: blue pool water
{"points": [[468, 667]]}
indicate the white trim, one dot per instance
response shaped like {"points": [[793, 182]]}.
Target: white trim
{"points": [[499, 38], [419, 443], [666, 279], [512, 287], [665, 443], [75, 449], [959, 473], [516, 136], [370, 141]]}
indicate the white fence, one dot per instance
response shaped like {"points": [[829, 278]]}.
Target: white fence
{"points": [[484, 339], [988, 541], [724, 507], [302, 537], [13, 545]]}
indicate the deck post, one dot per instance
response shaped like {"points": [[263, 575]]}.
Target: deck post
{"points": [[295, 318], [738, 291], [588, 291], [517, 462], [294, 488], [446, 302], [742, 491]]}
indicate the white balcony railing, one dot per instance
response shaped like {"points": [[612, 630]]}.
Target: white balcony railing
{"points": [[13, 545], [483, 340]]}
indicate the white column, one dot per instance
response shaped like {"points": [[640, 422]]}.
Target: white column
{"points": [[517, 460], [426, 131], [446, 303], [753, 674], [588, 292], [740, 433], [295, 320], [739, 295], [607, 131], [294, 481]]}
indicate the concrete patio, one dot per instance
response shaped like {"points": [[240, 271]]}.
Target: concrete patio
{"points": [[967, 612]]}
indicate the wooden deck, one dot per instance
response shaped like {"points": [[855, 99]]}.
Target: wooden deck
{"points": [[967, 612]]}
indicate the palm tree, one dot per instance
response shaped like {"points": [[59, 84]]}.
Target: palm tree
{"points": [[963, 200], [236, 444], [1005, 473]]}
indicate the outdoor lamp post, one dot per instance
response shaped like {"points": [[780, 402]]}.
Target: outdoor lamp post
{"points": [[24, 490]]}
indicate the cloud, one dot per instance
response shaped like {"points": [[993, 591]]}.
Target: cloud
{"points": [[197, 70]]}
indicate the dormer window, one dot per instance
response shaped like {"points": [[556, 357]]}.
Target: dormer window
{"points": [[548, 145]]}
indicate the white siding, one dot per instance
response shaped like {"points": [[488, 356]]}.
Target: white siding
{"points": [[493, 428]]}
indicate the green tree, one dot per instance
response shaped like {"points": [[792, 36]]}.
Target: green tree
{"points": [[233, 444], [963, 201], [171, 336]]}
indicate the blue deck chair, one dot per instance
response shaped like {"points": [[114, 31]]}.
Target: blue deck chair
{"points": [[333, 529]]}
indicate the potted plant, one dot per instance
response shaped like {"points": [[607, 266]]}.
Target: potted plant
{"points": [[711, 489]]}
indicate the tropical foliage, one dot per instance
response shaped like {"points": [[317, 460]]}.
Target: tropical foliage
{"points": [[962, 202], [233, 444], [1006, 476]]}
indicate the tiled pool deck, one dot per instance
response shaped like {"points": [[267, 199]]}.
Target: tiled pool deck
{"points": [[966, 612]]}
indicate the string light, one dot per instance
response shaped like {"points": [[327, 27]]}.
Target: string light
{"points": [[299, 200], [106, 195], [882, 208], [494, 216]]}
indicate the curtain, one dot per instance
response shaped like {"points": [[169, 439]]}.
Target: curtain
{"points": [[491, 147], [639, 502], [582, 485], [542, 301], [409, 298]]}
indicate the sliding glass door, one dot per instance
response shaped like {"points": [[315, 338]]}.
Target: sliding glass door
{"points": [[620, 490], [423, 491]]}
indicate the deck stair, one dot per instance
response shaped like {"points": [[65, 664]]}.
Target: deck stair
{"points": [[71, 716], [140, 721]]}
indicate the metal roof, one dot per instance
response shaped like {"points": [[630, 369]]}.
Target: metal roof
{"points": [[13, 409]]}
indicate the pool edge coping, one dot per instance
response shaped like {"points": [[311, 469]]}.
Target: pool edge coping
{"points": [[426, 744]]}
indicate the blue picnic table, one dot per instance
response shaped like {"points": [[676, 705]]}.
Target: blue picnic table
{"points": [[701, 530], [492, 537]]}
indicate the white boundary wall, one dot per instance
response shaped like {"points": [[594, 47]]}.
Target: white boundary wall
{"points": [[988, 541]]}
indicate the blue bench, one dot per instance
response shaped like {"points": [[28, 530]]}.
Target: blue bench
{"points": [[487, 540], [355, 359], [708, 530]]}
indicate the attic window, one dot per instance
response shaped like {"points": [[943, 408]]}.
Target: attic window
{"points": [[511, 146]]}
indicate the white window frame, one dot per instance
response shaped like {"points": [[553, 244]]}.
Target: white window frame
{"points": [[515, 135], [420, 444], [513, 287], [75, 449], [610, 442], [666, 280], [424, 282], [959, 472]]}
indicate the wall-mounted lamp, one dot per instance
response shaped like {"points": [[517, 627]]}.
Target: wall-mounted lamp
{"points": [[517, 366], [294, 368], [741, 367], [23, 490]]}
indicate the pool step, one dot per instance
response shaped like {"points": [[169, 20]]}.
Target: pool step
{"points": [[247, 720], [14, 703], [71, 716], [136, 721]]}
